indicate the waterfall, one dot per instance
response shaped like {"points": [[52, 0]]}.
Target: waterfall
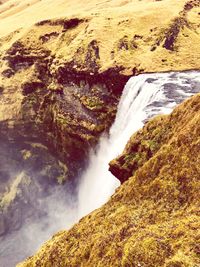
{"points": [[143, 97]]}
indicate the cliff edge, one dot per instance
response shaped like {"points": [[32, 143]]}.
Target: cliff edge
{"points": [[152, 219], [63, 66]]}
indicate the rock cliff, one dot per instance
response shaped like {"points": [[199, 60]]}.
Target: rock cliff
{"points": [[63, 65], [152, 219]]}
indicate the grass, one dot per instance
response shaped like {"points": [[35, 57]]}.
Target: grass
{"points": [[147, 31], [152, 219]]}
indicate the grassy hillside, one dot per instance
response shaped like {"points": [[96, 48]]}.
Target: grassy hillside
{"points": [[152, 220], [134, 35], [63, 66]]}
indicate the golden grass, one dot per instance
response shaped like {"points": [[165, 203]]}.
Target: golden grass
{"points": [[152, 219], [130, 34], [155, 211]]}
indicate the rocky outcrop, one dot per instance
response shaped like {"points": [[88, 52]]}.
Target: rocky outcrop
{"points": [[65, 118], [48, 121], [152, 219], [61, 79], [142, 147]]}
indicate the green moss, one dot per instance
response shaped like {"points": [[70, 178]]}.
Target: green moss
{"points": [[92, 102], [134, 159], [150, 144], [152, 219]]}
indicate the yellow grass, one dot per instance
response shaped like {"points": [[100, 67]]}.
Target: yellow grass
{"points": [[140, 23], [152, 219]]}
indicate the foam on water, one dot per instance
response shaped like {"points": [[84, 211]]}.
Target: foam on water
{"points": [[143, 97]]}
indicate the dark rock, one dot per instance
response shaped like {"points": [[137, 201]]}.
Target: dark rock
{"points": [[72, 23], [8, 73], [30, 87], [45, 38]]}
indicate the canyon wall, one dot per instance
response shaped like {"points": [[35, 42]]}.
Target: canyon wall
{"points": [[152, 219], [63, 66]]}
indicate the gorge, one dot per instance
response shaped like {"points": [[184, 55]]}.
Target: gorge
{"points": [[143, 97], [99, 133], [152, 218]]}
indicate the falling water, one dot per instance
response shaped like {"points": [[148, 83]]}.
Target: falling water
{"points": [[143, 97]]}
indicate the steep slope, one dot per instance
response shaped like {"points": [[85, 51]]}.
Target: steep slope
{"points": [[63, 66], [146, 143], [152, 219]]}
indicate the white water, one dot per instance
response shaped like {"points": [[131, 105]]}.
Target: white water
{"points": [[143, 97]]}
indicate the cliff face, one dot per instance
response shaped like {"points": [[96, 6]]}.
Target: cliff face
{"points": [[155, 135], [48, 121], [152, 219], [61, 74], [46, 126]]}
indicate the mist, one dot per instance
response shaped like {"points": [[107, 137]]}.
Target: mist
{"points": [[60, 214], [143, 97], [61, 206]]}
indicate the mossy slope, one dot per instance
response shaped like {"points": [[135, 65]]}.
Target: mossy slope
{"points": [[62, 72], [152, 219]]}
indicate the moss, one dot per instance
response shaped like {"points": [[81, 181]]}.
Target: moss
{"points": [[150, 144], [147, 251], [92, 102], [26, 154], [152, 219]]}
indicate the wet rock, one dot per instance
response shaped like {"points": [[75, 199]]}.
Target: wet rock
{"points": [[3, 225], [28, 173], [8, 73], [30, 87]]}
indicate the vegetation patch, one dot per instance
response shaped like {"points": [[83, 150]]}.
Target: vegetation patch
{"points": [[152, 219]]}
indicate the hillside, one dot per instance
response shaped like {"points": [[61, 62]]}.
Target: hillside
{"points": [[129, 35], [63, 66], [152, 219]]}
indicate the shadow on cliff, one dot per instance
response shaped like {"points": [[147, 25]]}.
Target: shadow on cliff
{"points": [[35, 199]]}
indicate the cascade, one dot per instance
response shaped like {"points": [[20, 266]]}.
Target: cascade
{"points": [[143, 97]]}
